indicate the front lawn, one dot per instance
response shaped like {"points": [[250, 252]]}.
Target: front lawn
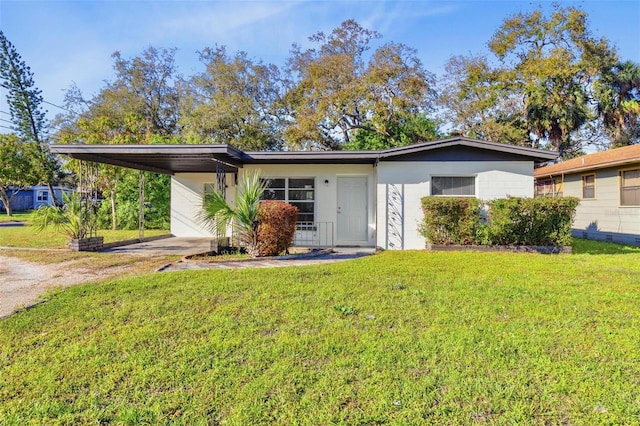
{"points": [[25, 236], [395, 338]]}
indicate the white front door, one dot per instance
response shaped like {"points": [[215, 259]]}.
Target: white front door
{"points": [[352, 209]]}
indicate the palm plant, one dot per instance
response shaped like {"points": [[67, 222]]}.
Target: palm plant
{"points": [[217, 213], [68, 219]]}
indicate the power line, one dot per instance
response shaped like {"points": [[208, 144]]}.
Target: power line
{"points": [[58, 106]]}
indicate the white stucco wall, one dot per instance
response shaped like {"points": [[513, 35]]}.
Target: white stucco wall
{"points": [[187, 190], [326, 193], [410, 181], [186, 202]]}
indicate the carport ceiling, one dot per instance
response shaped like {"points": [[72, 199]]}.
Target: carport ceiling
{"points": [[165, 159]]}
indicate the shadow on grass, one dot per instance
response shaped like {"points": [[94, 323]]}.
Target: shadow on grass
{"points": [[582, 246]]}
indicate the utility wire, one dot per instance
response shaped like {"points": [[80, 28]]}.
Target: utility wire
{"points": [[58, 106]]}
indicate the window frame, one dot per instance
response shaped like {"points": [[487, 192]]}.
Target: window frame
{"points": [[473, 177], [42, 195], [287, 199], [621, 173], [556, 184], [583, 179]]}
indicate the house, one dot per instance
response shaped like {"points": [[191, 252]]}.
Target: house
{"points": [[34, 197], [608, 185], [345, 198]]}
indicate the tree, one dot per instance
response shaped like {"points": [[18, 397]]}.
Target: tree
{"points": [[146, 87], [233, 102], [334, 92], [17, 168], [550, 61], [217, 213], [540, 90], [409, 130], [139, 107], [28, 117], [480, 104], [618, 98]]}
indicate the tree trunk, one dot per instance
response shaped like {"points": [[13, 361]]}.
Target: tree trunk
{"points": [[54, 199], [6, 200], [114, 219]]}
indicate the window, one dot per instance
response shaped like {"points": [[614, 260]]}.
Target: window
{"points": [[589, 186], [453, 186], [549, 188], [42, 195], [630, 187], [299, 192]]}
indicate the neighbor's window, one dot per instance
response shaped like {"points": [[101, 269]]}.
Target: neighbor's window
{"points": [[464, 186], [589, 186], [549, 188], [42, 195], [630, 187], [299, 192]]}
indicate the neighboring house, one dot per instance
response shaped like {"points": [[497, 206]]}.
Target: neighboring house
{"points": [[35, 196], [345, 198], [608, 185]]}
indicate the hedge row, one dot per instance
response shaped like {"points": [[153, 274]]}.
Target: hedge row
{"points": [[540, 221]]}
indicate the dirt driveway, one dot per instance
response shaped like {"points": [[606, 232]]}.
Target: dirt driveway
{"points": [[22, 283]]}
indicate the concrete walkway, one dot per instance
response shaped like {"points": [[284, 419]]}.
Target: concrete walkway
{"points": [[180, 246]]}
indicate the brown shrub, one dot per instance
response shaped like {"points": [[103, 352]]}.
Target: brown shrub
{"points": [[277, 227]]}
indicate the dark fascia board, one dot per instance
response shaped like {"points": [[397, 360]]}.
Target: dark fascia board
{"points": [[229, 150], [312, 157], [537, 154], [117, 154], [234, 157]]}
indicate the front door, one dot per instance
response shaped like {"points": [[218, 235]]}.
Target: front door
{"points": [[352, 209]]}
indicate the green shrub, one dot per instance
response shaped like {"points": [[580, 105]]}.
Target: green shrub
{"points": [[277, 227], [451, 220], [541, 221], [531, 221]]}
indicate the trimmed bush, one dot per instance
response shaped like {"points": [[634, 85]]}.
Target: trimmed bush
{"points": [[540, 221], [276, 227], [451, 220]]}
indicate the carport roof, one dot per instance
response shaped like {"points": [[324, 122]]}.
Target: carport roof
{"points": [[165, 159], [171, 159]]}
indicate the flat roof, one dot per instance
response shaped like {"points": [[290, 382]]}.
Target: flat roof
{"points": [[165, 159], [171, 159], [627, 155]]}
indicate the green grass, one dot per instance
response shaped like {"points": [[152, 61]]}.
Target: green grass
{"points": [[396, 338], [25, 236], [15, 217]]}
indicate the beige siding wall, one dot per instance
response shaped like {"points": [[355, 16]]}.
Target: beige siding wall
{"points": [[602, 217]]}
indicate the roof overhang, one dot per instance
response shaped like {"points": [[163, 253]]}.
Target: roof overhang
{"points": [[165, 159], [312, 157], [172, 159], [537, 155]]}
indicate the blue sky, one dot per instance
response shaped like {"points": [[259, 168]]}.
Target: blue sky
{"points": [[72, 41]]}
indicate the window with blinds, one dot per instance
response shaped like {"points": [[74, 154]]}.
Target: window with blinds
{"points": [[630, 187], [460, 186]]}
